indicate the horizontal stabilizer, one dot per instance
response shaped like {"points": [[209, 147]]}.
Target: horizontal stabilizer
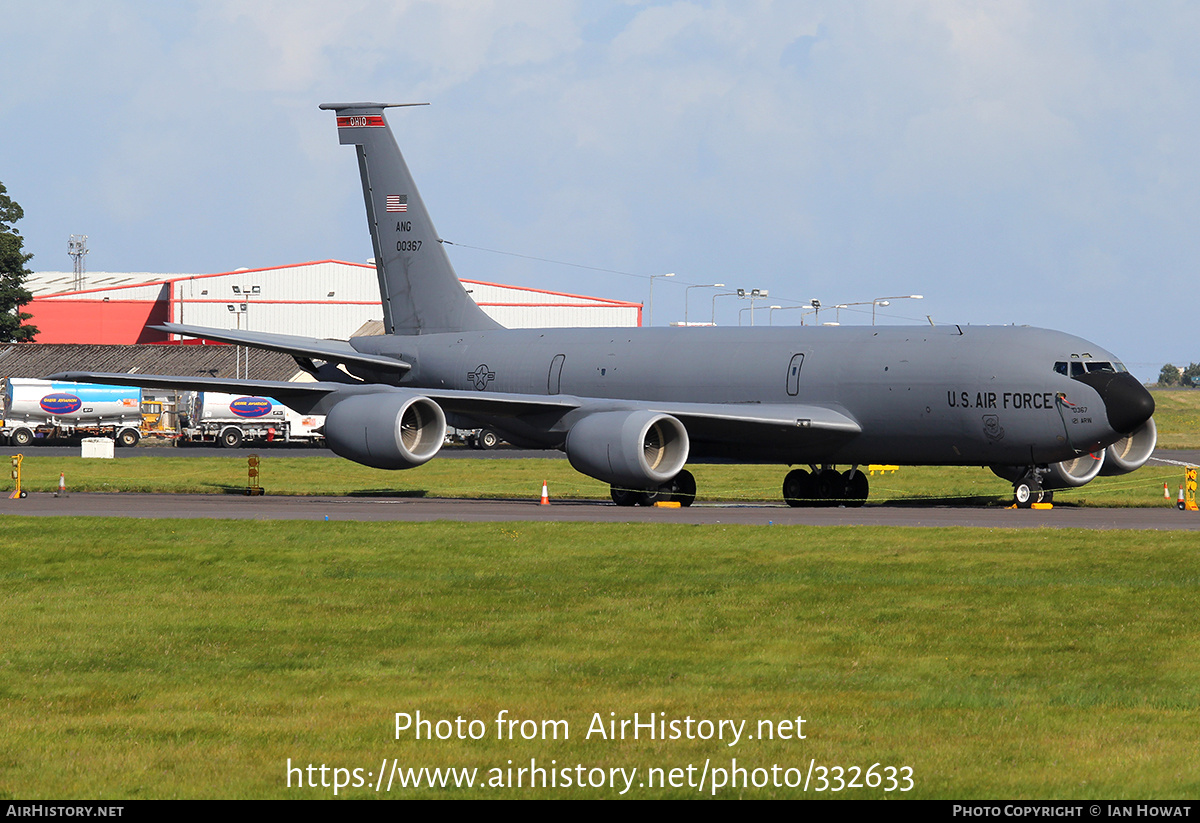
{"points": [[333, 351]]}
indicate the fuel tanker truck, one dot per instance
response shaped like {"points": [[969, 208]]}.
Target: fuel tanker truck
{"points": [[232, 419], [42, 410]]}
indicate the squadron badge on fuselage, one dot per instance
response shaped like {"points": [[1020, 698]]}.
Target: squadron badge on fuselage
{"points": [[991, 427]]}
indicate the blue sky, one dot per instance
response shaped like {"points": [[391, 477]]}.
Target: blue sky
{"points": [[1015, 162]]}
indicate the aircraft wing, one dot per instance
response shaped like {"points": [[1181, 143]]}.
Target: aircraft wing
{"points": [[334, 351], [711, 422], [785, 424], [733, 429], [786, 416], [315, 397], [303, 397]]}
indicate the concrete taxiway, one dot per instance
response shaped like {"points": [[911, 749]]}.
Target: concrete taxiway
{"points": [[373, 509]]}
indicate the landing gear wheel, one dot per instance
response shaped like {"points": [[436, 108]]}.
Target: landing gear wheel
{"points": [[488, 439], [831, 487], [1023, 495], [682, 489], [624, 497], [798, 488], [857, 488]]}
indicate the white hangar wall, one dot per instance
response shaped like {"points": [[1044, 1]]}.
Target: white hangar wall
{"points": [[327, 298]]}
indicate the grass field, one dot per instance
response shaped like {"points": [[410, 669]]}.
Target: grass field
{"points": [[194, 659], [483, 478], [1177, 415]]}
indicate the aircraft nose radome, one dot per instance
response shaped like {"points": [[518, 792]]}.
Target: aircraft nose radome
{"points": [[1126, 400]]}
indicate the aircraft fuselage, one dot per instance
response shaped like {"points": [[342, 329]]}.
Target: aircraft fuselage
{"points": [[944, 395]]}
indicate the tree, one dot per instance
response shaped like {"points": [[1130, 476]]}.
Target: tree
{"points": [[1191, 376], [1169, 376], [13, 293]]}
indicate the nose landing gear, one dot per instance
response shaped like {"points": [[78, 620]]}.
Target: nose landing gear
{"points": [[1028, 489]]}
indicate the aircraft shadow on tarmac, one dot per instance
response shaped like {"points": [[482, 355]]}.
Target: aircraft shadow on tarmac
{"points": [[388, 493]]}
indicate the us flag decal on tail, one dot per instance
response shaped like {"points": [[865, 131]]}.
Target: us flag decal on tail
{"points": [[397, 202]]}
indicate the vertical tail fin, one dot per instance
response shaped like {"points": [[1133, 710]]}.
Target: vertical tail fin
{"points": [[420, 292]]}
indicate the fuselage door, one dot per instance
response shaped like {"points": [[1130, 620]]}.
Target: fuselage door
{"points": [[555, 376], [793, 374]]}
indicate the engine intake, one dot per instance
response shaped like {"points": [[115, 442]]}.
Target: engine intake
{"points": [[1068, 474], [634, 450], [386, 430], [1131, 451]]}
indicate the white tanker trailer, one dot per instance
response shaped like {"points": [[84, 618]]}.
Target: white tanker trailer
{"points": [[42, 410], [231, 419]]}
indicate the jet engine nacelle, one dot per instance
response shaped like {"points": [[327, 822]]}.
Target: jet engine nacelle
{"points": [[1127, 454], [386, 430], [630, 449], [1131, 451], [1068, 474]]}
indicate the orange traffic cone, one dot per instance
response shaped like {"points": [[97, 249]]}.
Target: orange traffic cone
{"points": [[1166, 492], [545, 494], [1180, 503], [62, 486]]}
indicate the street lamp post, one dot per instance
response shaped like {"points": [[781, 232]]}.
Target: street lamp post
{"points": [[650, 311], [841, 306], [755, 294], [239, 309], [688, 289], [242, 294], [883, 301], [738, 293]]}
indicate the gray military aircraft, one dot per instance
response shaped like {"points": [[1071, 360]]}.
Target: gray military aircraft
{"points": [[631, 406]]}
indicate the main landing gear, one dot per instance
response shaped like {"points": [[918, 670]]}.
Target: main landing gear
{"points": [[681, 490], [826, 486], [1028, 490]]}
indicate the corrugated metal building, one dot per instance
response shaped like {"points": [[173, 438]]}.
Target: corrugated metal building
{"points": [[327, 298]]}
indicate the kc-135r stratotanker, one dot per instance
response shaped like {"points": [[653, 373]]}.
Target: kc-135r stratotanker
{"points": [[631, 406]]}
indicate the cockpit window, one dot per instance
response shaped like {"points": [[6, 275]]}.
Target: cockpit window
{"points": [[1078, 368]]}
